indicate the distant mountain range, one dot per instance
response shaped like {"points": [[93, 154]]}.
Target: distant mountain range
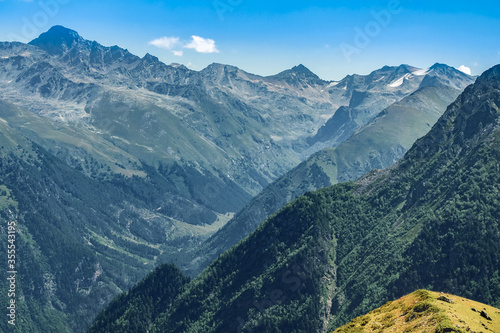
{"points": [[431, 221], [114, 164], [377, 145]]}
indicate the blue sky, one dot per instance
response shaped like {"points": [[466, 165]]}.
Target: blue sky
{"points": [[332, 38]]}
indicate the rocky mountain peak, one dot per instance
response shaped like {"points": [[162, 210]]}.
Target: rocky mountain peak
{"points": [[444, 69], [301, 69], [405, 68], [298, 74], [482, 101], [57, 40], [491, 77], [217, 67], [470, 118], [150, 58], [437, 65], [444, 75]]}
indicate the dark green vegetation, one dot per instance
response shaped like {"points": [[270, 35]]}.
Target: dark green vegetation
{"points": [[431, 221], [70, 260], [137, 309], [378, 145], [81, 241]]}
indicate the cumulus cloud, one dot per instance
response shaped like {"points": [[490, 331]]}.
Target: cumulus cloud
{"points": [[165, 42], [465, 69], [202, 45], [197, 43]]}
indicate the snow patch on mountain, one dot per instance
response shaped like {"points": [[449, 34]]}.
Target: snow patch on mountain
{"points": [[400, 81], [421, 72], [408, 76]]}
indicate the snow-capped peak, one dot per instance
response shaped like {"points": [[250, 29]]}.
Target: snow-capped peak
{"points": [[421, 72], [400, 81], [408, 76]]}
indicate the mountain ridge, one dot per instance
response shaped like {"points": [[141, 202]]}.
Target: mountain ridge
{"points": [[57, 40], [333, 254], [182, 150], [381, 143], [426, 311]]}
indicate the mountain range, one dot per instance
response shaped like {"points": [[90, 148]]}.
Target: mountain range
{"points": [[113, 164], [431, 221], [378, 145]]}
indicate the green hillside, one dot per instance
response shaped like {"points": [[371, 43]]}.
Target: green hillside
{"points": [[135, 310], [378, 145], [79, 241], [431, 222]]}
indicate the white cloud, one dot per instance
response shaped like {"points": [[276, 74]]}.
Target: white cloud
{"points": [[202, 45], [465, 69], [165, 42], [199, 44]]}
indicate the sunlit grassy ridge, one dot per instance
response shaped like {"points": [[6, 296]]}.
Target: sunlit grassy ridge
{"points": [[427, 311]]}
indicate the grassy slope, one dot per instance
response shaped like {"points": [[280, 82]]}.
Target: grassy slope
{"points": [[422, 311]]}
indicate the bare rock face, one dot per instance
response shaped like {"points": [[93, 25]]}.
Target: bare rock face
{"points": [[485, 315], [446, 299]]}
